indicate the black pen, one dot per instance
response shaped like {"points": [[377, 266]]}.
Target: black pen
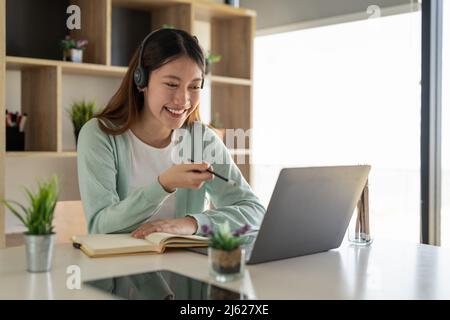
{"points": [[229, 181]]}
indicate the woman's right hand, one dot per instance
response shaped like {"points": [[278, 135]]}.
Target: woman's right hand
{"points": [[188, 175]]}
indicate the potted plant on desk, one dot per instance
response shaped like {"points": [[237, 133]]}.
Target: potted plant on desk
{"points": [[38, 218], [226, 255]]}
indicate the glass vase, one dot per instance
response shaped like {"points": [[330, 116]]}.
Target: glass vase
{"points": [[359, 227], [225, 266]]}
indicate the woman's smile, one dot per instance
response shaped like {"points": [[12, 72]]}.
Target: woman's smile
{"points": [[175, 113]]}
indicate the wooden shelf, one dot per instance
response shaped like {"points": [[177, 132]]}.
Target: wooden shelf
{"points": [[46, 154], [114, 29], [207, 10], [20, 63], [230, 80], [237, 152], [204, 9], [148, 4], [63, 154]]}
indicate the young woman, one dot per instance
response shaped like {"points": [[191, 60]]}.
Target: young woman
{"points": [[128, 179]]}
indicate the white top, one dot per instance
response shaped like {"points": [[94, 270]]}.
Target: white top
{"points": [[147, 163]]}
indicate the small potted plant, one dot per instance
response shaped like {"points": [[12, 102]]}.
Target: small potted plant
{"points": [[167, 26], [73, 49], [210, 59], [225, 252], [80, 112], [38, 219]]}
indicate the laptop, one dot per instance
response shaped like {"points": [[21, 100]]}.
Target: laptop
{"points": [[309, 212]]}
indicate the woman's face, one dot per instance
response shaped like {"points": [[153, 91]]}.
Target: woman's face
{"points": [[174, 92]]}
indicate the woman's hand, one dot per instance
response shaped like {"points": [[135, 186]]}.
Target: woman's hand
{"points": [[186, 225], [189, 175]]}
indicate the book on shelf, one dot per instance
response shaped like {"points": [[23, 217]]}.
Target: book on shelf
{"points": [[102, 245]]}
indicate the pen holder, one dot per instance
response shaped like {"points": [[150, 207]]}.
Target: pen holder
{"points": [[359, 229], [15, 140]]}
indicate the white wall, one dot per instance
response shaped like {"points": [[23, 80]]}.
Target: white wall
{"points": [[22, 171], [271, 15], [77, 87]]}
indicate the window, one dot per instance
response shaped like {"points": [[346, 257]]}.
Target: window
{"points": [[345, 94], [445, 181]]}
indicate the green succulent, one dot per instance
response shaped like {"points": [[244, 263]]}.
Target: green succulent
{"points": [[224, 239], [212, 58], [38, 217], [69, 43], [167, 26], [80, 113]]}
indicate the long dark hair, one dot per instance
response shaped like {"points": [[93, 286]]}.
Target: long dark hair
{"points": [[162, 47]]}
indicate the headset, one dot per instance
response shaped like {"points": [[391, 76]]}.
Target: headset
{"points": [[141, 73]]}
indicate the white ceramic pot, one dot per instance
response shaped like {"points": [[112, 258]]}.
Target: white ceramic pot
{"points": [[76, 55]]}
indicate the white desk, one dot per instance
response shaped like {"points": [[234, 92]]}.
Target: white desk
{"points": [[383, 270]]}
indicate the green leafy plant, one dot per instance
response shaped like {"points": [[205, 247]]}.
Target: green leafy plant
{"points": [[223, 238], [167, 26], [213, 58], [210, 59], [80, 112], [69, 43], [38, 217]]}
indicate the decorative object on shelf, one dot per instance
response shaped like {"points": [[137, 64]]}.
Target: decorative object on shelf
{"points": [[167, 26], [233, 3], [226, 256], [38, 219], [15, 134], [216, 125], [359, 230], [80, 112], [210, 59], [73, 49]]}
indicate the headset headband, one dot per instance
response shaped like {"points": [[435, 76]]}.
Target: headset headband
{"points": [[141, 73]]}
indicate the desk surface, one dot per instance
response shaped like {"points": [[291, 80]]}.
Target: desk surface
{"points": [[384, 270]]}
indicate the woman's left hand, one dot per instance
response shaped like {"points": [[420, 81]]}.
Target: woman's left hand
{"points": [[186, 226]]}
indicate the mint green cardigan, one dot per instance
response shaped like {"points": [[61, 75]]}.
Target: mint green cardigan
{"points": [[103, 173]]}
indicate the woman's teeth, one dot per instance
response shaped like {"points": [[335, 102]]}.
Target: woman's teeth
{"points": [[176, 111], [175, 114]]}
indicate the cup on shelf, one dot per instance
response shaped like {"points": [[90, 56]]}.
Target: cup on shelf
{"points": [[15, 139], [233, 3]]}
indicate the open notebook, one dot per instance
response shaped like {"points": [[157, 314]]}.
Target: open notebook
{"points": [[101, 245]]}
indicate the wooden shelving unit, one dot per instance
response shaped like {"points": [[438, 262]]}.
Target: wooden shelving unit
{"points": [[42, 154], [22, 63], [114, 29], [2, 118]]}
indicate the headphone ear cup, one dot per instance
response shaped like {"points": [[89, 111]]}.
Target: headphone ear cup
{"points": [[139, 77]]}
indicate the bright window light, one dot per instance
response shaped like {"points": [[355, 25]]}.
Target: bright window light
{"points": [[345, 94]]}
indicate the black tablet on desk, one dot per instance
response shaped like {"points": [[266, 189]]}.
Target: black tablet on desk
{"points": [[163, 285]]}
